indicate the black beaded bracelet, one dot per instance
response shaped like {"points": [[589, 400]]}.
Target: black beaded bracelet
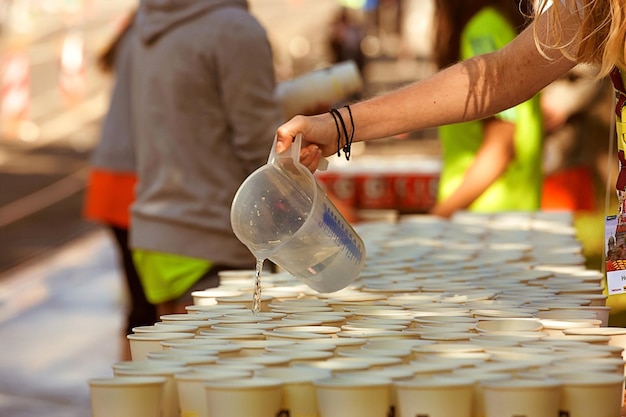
{"points": [[347, 148], [332, 113]]}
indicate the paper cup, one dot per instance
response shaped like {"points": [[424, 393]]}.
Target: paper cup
{"points": [[189, 358], [199, 324], [435, 397], [174, 328], [479, 377], [508, 325], [180, 318], [209, 297], [617, 335], [170, 392], [191, 390], [591, 394], [145, 364], [299, 397], [363, 397], [259, 347], [252, 397], [142, 343], [127, 396], [521, 397]]}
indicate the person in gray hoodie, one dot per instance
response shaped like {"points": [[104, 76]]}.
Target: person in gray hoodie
{"points": [[111, 182], [204, 118]]}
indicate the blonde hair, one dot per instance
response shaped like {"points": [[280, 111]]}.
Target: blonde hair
{"points": [[599, 35]]}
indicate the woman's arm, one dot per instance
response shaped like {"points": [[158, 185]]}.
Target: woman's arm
{"points": [[494, 156], [473, 89]]}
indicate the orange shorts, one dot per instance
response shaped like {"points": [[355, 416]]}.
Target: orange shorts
{"points": [[109, 197]]}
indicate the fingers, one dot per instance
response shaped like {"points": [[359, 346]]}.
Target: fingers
{"points": [[283, 141], [286, 133], [310, 157]]}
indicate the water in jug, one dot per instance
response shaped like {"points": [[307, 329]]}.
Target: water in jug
{"points": [[281, 213]]}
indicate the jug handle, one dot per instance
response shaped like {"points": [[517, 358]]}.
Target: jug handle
{"points": [[295, 153]]}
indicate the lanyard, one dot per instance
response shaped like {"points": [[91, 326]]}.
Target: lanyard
{"points": [[620, 91]]}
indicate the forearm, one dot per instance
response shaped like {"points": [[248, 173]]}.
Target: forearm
{"points": [[470, 90], [453, 95], [492, 160], [478, 179]]}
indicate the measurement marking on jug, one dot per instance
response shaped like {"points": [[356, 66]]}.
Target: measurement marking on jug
{"points": [[339, 230]]}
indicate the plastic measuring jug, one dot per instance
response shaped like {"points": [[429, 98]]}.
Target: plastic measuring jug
{"points": [[281, 213]]}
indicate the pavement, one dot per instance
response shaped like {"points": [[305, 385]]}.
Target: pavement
{"points": [[60, 313], [59, 322]]}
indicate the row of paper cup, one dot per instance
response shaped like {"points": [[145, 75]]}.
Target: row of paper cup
{"points": [[517, 356], [309, 392]]}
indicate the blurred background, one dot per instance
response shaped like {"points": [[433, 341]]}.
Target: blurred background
{"points": [[52, 99], [52, 95]]}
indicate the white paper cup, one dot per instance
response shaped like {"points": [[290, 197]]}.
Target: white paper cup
{"points": [[396, 343], [325, 330], [299, 397], [340, 343], [245, 299], [127, 396], [170, 392], [617, 335], [337, 365], [421, 368], [393, 373], [260, 316], [145, 363], [209, 297], [522, 397], [249, 333], [259, 347], [435, 397], [267, 359], [191, 390], [479, 377], [555, 327], [616, 364], [450, 326], [226, 349], [322, 347], [375, 361], [178, 343], [403, 353], [199, 324], [236, 274], [215, 308], [174, 328], [252, 397], [250, 368], [304, 355], [142, 343], [461, 359], [509, 325], [182, 317], [363, 397], [437, 348], [591, 394], [189, 358], [325, 318]]}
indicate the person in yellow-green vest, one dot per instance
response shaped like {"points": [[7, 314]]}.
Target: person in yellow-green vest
{"points": [[494, 164]]}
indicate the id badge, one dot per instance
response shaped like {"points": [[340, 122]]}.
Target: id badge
{"points": [[615, 249]]}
